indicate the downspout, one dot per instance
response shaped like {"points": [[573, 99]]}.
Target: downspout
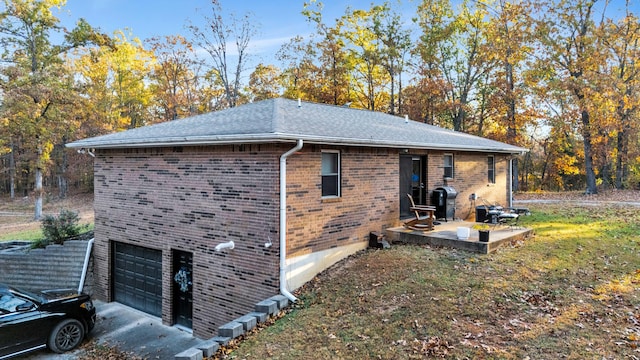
{"points": [[283, 220], [87, 255], [510, 182]]}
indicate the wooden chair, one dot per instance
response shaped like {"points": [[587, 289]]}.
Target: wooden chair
{"points": [[424, 216]]}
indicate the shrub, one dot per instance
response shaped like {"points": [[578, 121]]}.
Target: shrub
{"points": [[57, 229], [39, 244]]}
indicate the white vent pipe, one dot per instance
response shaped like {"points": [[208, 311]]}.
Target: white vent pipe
{"points": [[225, 245]]}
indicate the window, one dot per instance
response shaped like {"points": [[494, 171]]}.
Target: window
{"points": [[491, 169], [330, 174], [448, 166]]}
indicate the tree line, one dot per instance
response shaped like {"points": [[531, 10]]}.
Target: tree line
{"points": [[558, 77]]}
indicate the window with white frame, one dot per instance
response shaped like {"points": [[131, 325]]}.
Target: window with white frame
{"points": [[448, 166], [330, 174], [491, 169]]}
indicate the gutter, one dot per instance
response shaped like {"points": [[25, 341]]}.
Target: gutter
{"points": [[280, 137], [283, 220], [87, 255]]}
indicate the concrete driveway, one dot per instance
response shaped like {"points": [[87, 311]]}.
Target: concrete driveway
{"points": [[130, 331]]}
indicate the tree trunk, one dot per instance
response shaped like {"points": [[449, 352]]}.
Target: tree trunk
{"points": [[545, 164], [511, 105], [622, 146], [12, 172], [460, 114], [622, 167], [62, 176], [392, 105], [400, 110], [525, 173], [334, 73], [38, 193], [588, 158]]}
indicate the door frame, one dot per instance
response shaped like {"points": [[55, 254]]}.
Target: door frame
{"points": [[409, 184]]}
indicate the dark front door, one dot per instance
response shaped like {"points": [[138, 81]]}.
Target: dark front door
{"points": [[405, 184], [413, 177], [182, 288]]}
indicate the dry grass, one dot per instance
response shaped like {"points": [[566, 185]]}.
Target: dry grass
{"points": [[603, 195], [573, 291], [93, 351], [16, 216]]}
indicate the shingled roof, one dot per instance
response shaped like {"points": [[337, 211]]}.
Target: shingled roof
{"points": [[283, 120]]}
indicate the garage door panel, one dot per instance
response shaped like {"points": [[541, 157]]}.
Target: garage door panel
{"points": [[137, 275]]}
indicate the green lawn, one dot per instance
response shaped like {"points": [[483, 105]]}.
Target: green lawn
{"points": [[572, 291], [18, 224], [33, 233], [28, 234]]}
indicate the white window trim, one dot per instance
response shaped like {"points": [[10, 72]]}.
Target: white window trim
{"points": [[453, 166], [492, 181], [339, 188]]}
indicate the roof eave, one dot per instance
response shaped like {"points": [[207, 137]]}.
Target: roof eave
{"points": [[172, 141], [262, 138]]}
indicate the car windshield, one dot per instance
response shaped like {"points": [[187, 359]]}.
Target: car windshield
{"points": [[9, 303], [28, 294]]}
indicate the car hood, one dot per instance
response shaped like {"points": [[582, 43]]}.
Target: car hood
{"points": [[58, 294]]}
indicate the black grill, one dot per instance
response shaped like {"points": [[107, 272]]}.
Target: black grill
{"points": [[444, 199]]}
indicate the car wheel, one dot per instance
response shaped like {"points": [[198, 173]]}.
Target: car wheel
{"points": [[66, 335]]}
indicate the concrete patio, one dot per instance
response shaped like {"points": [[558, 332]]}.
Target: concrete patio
{"points": [[445, 235]]}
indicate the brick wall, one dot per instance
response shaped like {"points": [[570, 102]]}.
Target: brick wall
{"points": [[369, 199], [470, 177], [192, 199]]}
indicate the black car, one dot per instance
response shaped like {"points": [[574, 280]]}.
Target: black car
{"points": [[57, 319]]}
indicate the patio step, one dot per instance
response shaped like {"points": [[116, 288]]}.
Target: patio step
{"points": [[445, 235]]}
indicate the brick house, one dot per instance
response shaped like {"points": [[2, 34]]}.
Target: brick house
{"points": [[198, 219]]}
